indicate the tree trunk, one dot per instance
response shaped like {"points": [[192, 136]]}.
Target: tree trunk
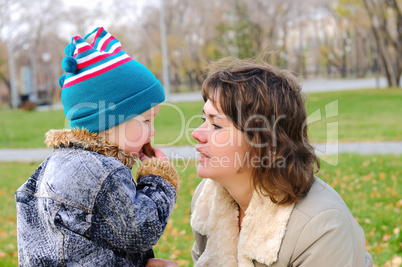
{"points": [[8, 84], [176, 83], [395, 7], [390, 67], [191, 80]]}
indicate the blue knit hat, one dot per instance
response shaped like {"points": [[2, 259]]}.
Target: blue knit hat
{"points": [[103, 86]]}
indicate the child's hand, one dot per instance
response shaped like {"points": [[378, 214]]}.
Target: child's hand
{"points": [[160, 263], [159, 154]]}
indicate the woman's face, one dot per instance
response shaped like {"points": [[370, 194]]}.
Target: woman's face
{"points": [[222, 147], [133, 134]]}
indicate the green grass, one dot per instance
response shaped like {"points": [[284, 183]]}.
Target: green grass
{"points": [[26, 129], [12, 176], [362, 115], [365, 115], [175, 122], [370, 185]]}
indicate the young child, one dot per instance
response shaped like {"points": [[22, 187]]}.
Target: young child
{"points": [[81, 206]]}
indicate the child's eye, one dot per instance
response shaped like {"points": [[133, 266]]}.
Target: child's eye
{"points": [[203, 118], [147, 121]]}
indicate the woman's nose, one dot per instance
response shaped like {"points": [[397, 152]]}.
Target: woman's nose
{"points": [[199, 134]]}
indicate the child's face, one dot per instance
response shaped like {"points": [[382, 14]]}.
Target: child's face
{"points": [[133, 134]]}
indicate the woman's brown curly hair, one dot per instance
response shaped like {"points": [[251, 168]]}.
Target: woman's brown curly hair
{"points": [[267, 105]]}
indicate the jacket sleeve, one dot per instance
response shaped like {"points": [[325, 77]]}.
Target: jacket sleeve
{"points": [[331, 239], [131, 218]]}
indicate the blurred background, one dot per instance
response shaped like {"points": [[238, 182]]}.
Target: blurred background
{"points": [[314, 38]]}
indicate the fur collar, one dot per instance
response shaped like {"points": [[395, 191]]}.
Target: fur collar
{"points": [[263, 228], [89, 141]]}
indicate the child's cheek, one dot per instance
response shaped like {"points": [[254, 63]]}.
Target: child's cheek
{"points": [[136, 134]]}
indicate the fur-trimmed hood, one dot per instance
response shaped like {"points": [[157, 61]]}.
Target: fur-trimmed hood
{"points": [[93, 142], [89, 141], [216, 214]]}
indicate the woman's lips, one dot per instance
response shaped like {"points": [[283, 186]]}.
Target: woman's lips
{"points": [[202, 156]]}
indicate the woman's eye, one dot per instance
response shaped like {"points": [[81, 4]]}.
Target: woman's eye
{"points": [[216, 126]]}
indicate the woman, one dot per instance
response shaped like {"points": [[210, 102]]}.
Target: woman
{"points": [[260, 203]]}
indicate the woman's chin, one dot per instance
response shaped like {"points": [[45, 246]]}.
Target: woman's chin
{"points": [[202, 171]]}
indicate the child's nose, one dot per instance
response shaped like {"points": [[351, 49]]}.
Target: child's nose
{"points": [[152, 131]]}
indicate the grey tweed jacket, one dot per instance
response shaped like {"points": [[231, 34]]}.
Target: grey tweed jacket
{"points": [[82, 208]]}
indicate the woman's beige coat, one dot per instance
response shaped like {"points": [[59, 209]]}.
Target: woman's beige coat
{"points": [[318, 231]]}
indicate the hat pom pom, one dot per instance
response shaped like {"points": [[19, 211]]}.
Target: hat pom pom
{"points": [[62, 78], [69, 64], [69, 50]]}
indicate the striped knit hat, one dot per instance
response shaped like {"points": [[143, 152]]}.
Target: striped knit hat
{"points": [[103, 86]]}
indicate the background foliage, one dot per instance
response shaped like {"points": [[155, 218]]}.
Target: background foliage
{"points": [[315, 38]]}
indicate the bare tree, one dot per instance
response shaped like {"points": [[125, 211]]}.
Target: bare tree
{"points": [[386, 24], [311, 36], [36, 43]]}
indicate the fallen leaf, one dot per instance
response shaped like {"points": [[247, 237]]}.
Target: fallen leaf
{"points": [[386, 237], [390, 206], [3, 234], [396, 231], [397, 261], [399, 203], [182, 262], [366, 163], [174, 232], [175, 254], [188, 237]]}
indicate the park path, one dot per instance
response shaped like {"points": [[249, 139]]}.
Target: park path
{"points": [[189, 152]]}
